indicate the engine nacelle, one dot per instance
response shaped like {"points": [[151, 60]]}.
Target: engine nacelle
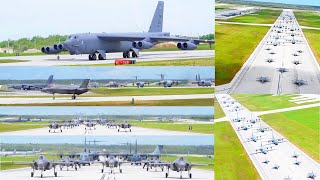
{"points": [[52, 49], [142, 45], [187, 46]]}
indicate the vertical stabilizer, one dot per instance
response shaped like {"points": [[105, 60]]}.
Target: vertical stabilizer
{"points": [[157, 21]]}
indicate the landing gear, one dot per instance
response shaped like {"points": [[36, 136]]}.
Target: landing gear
{"points": [[32, 174], [190, 175], [101, 57], [74, 96], [55, 174], [167, 174], [126, 54], [120, 170], [92, 57], [58, 57], [134, 54]]}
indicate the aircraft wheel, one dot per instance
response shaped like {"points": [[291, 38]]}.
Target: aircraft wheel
{"points": [[190, 175], [134, 55], [94, 57], [180, 176], [60, 168], [76, 168], [120, 170], [61, 130], [100, 57], [101, 170], [49, 130], [118, 130], [162, 169], [41, 176], [124, 55], [55, 174], [130, 130], [167, 175], [147, 169], [32, 174]]}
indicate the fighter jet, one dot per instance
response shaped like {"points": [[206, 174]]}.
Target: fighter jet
{"points": [[296, 62], [112, 162], [299, 82], [31, 86], [311, 175], [124, 126], [67, 89], [203, 83], [54, 125], [266, 161], [41, 164], [269, 60], [151, 164], [276, 167], [68, 162], [137, 158], [244, 126], [139, 84], [272, 53], [90, 125], [101, 43], [282, 70], [263, 79], [295, 155], [179, 165], [296, 162], [166, 83]]}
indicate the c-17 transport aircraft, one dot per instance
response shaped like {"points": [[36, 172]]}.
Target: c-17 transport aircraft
{"points": [[102, 43]]}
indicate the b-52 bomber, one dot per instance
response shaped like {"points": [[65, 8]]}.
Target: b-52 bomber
{"points": [[67, 89], [179, 165], [102, 43], [31, 86]]}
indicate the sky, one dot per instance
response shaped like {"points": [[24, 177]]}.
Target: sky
{"points": [[21, 18], [144, 140], [83, 72], [299, 2], [69, 110]]}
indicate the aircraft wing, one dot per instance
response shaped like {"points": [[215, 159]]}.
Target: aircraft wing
{"points": [[108, 37], [161, 164]]}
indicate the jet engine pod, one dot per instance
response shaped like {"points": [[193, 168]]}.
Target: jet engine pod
{"points": [[51, 49], [187, 46], [142, 45]]}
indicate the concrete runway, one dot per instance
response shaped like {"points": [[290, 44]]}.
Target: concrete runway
{"points": [[277, 45], [100, 130], [93, 172], [51, 60], [101, 99], [279, 155]]}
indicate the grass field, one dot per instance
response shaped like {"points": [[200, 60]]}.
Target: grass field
{"points": [[265, 102], [264, 16], [193, 159], [306, 18], [10, 61], [230, 158], [21, 126], [313, 37], [301, 127], [218, 112], [235, 43], [181, 62], [196, 128], [183, 102]]}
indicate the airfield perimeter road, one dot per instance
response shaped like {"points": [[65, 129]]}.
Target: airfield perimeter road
{"points": [[93, 172], [245, 81], [51, 60], [280, 155], [100, 130], [48, 100]]}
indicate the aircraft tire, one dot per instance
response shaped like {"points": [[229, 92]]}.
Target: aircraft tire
{"points": [[167, 175], [32, 174], [41, 176], [120, 170], [190, 175], [55, 174], [100, 57]]}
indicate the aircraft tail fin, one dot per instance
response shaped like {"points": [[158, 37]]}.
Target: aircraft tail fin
{"points": [[85, 83], [157, 21], [158, 150], [50, 80]]}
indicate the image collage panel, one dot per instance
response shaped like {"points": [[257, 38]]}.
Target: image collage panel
{"points": [[159, 89], [123, 91]]}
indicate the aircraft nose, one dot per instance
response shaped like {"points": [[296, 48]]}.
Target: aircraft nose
{"points": [[67, 44]]}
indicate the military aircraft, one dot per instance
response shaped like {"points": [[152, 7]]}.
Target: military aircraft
{"points": [[166, 83], [296, 162], [137, 158], [263, 79], [299, 82], [263, 149], [150, 163], [276, 167], [244, 126], [15, 152], [275, 141], [282, 70], [179, 165], [266, 161], [295, 155], [41, 164], [67, 89], [112, 162], [90, 125], [296, 62], [311, 175], [31, 86], [124, 126], [16, 120], [102, 43], [254, 138], [139, 84], [203, 83], [262, 129], [54, 125], [68, 162], [269, 60]]}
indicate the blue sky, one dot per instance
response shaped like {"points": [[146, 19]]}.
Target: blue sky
{"points": [[107, 110], [299, 2], [23, 18], [148, 140], [25, 73]]}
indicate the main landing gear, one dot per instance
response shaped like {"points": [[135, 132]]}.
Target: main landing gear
{"points": [[94, 57], [127, 54]]}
